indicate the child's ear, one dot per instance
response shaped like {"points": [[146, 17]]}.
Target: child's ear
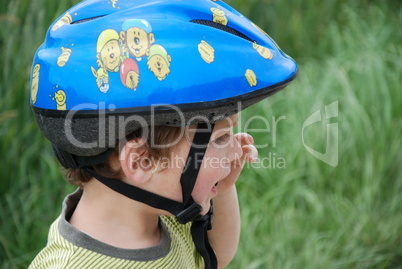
{"points": [[135, 162]]}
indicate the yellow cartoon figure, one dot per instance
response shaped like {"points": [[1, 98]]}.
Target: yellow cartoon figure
{"points": [[263, 51], [207, 52], [219, 16], [66, 19], [130, 74], [63, 58], [251, 77], [60, 97], [137, 37], [102, 79], [108, 50], [35, 82], [159, 61]]}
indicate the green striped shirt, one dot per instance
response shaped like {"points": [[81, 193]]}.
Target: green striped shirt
{"points": [[68, 247]]}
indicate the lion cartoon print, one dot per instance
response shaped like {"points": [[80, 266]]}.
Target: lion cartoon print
{"points": [[109, 54], [102, 79], [159, 61], [137, 37], [108, 50]]}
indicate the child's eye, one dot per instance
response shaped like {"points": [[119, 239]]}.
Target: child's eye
{"points": [[222, 139]]}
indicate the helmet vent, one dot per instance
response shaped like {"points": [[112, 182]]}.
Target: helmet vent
{"points": [[88, 19], [222, 27]]}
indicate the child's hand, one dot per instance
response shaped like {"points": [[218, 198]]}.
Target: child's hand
{"points": [[250, 154]]}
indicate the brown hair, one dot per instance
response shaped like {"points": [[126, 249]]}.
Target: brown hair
{"points": [[163, 135]]}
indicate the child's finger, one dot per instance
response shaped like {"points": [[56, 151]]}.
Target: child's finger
{"points": [[250, 153], [244, 138]]}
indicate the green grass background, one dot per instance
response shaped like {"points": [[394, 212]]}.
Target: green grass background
{"points": [[302, 213]]}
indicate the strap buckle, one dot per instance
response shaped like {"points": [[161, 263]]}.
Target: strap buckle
{"points": [[190, 213], [209, 217]]}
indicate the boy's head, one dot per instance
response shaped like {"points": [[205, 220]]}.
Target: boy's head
{"points": [[156, 163], [179, 89]]}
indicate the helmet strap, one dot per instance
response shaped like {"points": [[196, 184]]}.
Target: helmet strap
{"points": [[137, 194], [190, 172], [199, 227], [192, 210]]}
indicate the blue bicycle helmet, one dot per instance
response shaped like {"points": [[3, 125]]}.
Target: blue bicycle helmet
{"points": [[133, 57], [148, 63]]}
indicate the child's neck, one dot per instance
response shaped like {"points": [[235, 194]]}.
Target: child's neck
{"points": [[114, 219]]}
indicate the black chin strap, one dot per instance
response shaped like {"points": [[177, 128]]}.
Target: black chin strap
{"points": [[137, 194], [199, 227], [192, 211], [199, 232], [186, 211], [190, 172]]}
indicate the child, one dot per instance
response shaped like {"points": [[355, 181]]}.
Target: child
{"points": [[156, 167]]}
